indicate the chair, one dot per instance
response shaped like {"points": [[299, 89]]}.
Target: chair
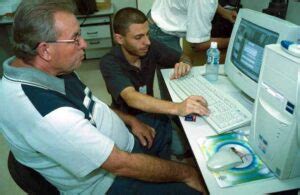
{"points": [[28, 179]]}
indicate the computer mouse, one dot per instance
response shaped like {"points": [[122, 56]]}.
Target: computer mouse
{"points": [[224, 159]]}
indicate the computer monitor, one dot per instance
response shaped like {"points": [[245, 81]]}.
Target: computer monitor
{"points": [[252, 31]]}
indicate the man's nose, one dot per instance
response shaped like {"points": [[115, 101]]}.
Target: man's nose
{"points": [[147, 40], [82, 43]]}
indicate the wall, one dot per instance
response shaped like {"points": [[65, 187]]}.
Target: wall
{"points": [[144, 5], [293, 12], [258, 5], [118, 4]]}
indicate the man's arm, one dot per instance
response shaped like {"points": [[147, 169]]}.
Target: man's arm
{"points": [[229, 15], [152, 169], [146, 103]]}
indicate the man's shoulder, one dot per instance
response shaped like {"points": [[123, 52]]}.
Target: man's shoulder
{"points": [[38, 96], [113, 55]]}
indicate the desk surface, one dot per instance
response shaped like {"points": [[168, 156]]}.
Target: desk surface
{"points": [[200, 129]]}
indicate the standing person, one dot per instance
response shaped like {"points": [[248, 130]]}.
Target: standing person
{"points": [[61, 130], [128, 71], [221, 25], [171, 20]]}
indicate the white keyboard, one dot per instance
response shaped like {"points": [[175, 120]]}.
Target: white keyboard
{"points": [[226, 113]]}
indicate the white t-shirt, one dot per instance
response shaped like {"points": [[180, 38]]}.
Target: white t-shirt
{"points": [[189, 18]]}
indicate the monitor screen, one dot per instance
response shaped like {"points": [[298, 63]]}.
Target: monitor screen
{"points": [[248, 47], [252, 31]]}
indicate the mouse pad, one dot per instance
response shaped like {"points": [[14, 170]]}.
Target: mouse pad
{"points": [[252, 168]]}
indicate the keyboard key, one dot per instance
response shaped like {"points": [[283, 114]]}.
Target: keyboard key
{"points": [[226, 113]]}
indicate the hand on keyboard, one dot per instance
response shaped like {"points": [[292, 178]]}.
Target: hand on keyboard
{"points": [[225, 113], [180, 69], [193, 105]]}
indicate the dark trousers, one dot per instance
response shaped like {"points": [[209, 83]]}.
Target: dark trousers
{"points": [[124, 185], [163, 137]]}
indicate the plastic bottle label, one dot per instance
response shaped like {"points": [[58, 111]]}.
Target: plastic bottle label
{"points": [[212, 60]]}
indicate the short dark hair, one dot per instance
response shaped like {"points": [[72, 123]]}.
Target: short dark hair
{"points": [[34, 23], [125, 17]]}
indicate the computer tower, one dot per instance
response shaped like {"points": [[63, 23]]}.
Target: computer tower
{"points": [[275, 131]]}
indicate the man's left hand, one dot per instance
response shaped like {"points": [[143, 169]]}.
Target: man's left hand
{"points": [[180, 69]]}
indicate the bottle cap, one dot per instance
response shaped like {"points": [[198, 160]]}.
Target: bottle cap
{"points": [[214, 45]]}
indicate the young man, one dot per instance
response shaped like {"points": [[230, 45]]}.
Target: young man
{"points": [[54, 124], [129, 69]]}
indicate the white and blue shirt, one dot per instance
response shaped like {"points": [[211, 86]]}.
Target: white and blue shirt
{"points": [[57, 127]]}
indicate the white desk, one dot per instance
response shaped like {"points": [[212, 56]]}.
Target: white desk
{"points": [[198, 129]]}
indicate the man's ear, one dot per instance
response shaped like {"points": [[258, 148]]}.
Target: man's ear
{"points": [[118, 38], [44, 51]]}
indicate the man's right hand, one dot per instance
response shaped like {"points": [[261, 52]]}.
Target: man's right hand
{"points": [[195, 182], [193, 105]]}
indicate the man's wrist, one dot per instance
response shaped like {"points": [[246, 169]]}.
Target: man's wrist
{"points": [[186, 62], [175, 109], [131, 121], [190, 173], [185, 59]]}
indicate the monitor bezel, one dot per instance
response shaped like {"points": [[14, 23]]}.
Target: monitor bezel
{"points": [[285, 29]]}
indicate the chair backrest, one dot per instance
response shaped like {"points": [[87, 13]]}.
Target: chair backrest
{"points": [[28, 179]]}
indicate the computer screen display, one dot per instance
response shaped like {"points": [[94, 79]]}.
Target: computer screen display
{"points": [[248, 47], [252, 31]]}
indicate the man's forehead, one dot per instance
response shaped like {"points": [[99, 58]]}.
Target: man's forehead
{"points": [[66, 23], [135, 29]]}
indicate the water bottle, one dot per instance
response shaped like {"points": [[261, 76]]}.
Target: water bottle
{"points": [[212, 63]]}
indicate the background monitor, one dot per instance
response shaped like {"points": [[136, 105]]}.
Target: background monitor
{"points": [[252, 31]]}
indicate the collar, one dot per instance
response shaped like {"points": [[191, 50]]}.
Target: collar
{"points": [[32, 76], [117, 51]]}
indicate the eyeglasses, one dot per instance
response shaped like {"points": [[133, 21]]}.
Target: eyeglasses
{"points": [[76, 40]]}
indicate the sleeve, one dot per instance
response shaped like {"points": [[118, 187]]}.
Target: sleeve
{"points": [[166, 57], [71, 141], [200, 15], [115, 79]]}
